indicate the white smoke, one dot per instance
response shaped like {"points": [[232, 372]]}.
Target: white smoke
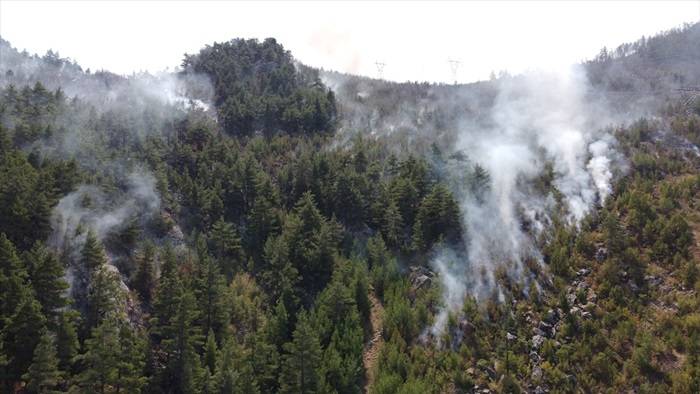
{"points": [[91, 208], [537, 118]]}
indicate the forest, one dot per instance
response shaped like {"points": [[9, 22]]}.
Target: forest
{"points": [[250, 224]]}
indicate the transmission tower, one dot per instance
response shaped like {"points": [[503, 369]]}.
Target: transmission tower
{"points": [[380, 69], [454, 66]]}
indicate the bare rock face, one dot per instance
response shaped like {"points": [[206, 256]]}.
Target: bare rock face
{"points": [[601, 254], [466, 327], [420, 277], [552, 316], [591, 297], [536, 375], [174, 232], [537, 341]]}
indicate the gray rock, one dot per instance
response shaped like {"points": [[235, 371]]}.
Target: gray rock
{"points": [[551, 316], [537, 341], [583, 286], [466, 327], [536, 374], [653, 280], [546, 328], [592, 296], [633, 287], [601, 254]]}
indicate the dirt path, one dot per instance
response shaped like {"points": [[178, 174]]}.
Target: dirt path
{"points": [[374, 345]]}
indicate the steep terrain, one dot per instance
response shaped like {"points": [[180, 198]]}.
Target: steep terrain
{"points": [[249, 224]]}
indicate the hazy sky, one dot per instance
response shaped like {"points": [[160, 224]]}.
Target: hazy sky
{"points": [[414, 39]]}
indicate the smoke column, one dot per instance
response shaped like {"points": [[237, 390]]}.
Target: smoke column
{"points": [[537, 119]]}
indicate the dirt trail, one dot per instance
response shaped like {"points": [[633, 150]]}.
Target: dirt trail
{"points": [[374, 345]]}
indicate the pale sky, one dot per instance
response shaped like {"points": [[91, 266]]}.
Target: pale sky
{"points": [[414, 39]]}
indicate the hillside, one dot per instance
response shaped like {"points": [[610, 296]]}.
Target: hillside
{"points": [[250, 224]]}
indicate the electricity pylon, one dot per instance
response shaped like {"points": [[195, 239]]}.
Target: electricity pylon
{"points": [[454, 66], [380, 69]]}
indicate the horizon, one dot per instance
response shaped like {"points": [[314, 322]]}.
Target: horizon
{"points": [[475, 36]]}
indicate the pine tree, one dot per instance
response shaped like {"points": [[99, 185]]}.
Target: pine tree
{"points": [[392, 225], [263, 219], [614, 234], [312, 242], [226, 247], [209, 289], [234, 373], [100, 362], [280, 278], [46, 276], [67, 340], [210, 352], [144, 279], [130, 360], [166, 298], [183, 371], [93, 254], [105, 295], [43, 374], [22, 334], [264, 358], [280, 330], [479, 183], [302, 359], [13, 277]]}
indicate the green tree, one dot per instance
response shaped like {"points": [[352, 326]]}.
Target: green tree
{"points": [[100, 362], [105, 295], [46, 277], [13, 277], [302, 359], [93, 254], [67, 340], [144, 279], [234, 373], [22, 335], [167, 297], [210, 352], [615, 236], [43, 374], [280, 277], [479, 183], [392, 225], [226, 247], [183, 372], [130, 360], [209, 287]]}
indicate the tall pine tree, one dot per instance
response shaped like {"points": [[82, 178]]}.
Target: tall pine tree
{"points": [[302, 359], [43, 374]]}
